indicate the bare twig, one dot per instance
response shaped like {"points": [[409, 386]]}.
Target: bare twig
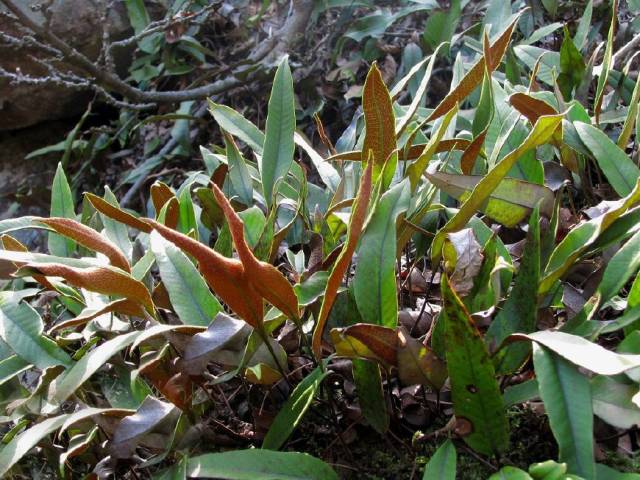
{"points": [[108, 81]]}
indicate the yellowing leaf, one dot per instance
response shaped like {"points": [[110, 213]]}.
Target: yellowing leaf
{"points": [[542, 131], [510, 203], [417, 364], [365, 340]]}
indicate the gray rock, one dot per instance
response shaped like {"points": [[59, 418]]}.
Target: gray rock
{"points": [[77, 22]]}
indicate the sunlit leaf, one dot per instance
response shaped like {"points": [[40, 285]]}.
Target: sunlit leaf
{"points": [[61, 206], [277, 154]]}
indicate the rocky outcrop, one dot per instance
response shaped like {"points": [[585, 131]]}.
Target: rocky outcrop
{"points": [[77, 22]]}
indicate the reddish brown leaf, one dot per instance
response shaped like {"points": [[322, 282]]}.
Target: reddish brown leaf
{"points": [[358, 217], [160, 195], [380, 121], [365, 340], [474, 76], [89, 238], [123, 306], [267, 280], [117, 213], [468, 159], [530, 107], [225, 276], [103, 280], [161, 297]]}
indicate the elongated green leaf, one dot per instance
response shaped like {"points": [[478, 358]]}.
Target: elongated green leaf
{"points": [[510, 203], [477, 401], [520, 393], [612, 402], [12, 366], [278, 148], [28, 439], [403, 122], [582, 31], [259, 465], [116, 231], [415, 170], [21, 328], [374, 283], [542, 131], [238, 126], [12, 224], [572, 66], [442, 465], [519, 312], [582, 352], [603, 77], [620, 268], [580, 238], [293, 410], [189, 293], [619, 169], [238, 171], [328, 174], [61, 206], [632, 115], [366, 375], [605, 472], [567, 400]]}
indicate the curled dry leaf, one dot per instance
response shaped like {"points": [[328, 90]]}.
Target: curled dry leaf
{"points": [[463, 259], [89, 238], [149, 417], [224, 333]]}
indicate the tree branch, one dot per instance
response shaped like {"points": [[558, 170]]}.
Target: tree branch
{"points": [[109, 81]]}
